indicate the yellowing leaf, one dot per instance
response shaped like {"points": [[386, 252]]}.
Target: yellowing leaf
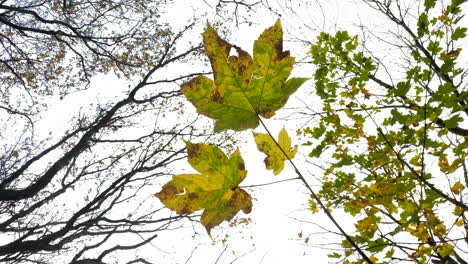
{"points": [[445, 249], [367, 226], [313, 206], [215, 189], [457, 187], [458, 211], [420, 232], [460, 222], [243, 87], [275, 157]]}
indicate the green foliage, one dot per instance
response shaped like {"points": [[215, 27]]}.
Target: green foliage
{"points": [[275, 157], [459, 33], [381, 137], [243, 88], [215, 190]]}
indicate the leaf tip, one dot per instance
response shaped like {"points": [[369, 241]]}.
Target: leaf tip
{"points": [[278, 22], [208, 25], [187, 143]]}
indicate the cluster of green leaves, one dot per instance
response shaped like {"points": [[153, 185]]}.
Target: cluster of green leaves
{"points": [[243, 90], [382, 137]]}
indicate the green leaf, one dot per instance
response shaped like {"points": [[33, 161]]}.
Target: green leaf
{"points": [[215, 190], [434, 47], [317, 132], [275, 158], [334, 255], [243, 87], [376, 245], [402, 88], [390, 253], [458, 33], [428, 4], [453, 121], [318, 150], [423, 24]]}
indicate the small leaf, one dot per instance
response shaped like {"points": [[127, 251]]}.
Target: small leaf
{"points": [[390, 253], [458, 211], [215, 190], [423, 23], [275, 157], [317, 132], [313, 206], [445, 250], [243, 88], [457, 188], [428, 4], [402, 88], [453, 121], [458, 33], [376, 245], [334, 255], [318, 150]]}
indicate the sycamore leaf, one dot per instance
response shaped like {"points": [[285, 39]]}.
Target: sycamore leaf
{"points": [[243, 87], [215, 189], [275, 157]]}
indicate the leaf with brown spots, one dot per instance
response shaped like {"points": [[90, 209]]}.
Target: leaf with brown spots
{"points": [[215, 190], [243, 88], [275, 157]]}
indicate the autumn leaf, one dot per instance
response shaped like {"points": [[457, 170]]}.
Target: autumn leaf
{"points": [[215, 190], [275, 157], [243, 88], [457, 188]]}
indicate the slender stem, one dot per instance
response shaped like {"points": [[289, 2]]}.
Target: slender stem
{"points": [[269, 183], [317, 199]]}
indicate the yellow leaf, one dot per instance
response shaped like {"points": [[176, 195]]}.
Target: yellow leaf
{"points": [[215, 190], [458, 211], [457, 187], [460, 222], [275, 157], [445, 249]]}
